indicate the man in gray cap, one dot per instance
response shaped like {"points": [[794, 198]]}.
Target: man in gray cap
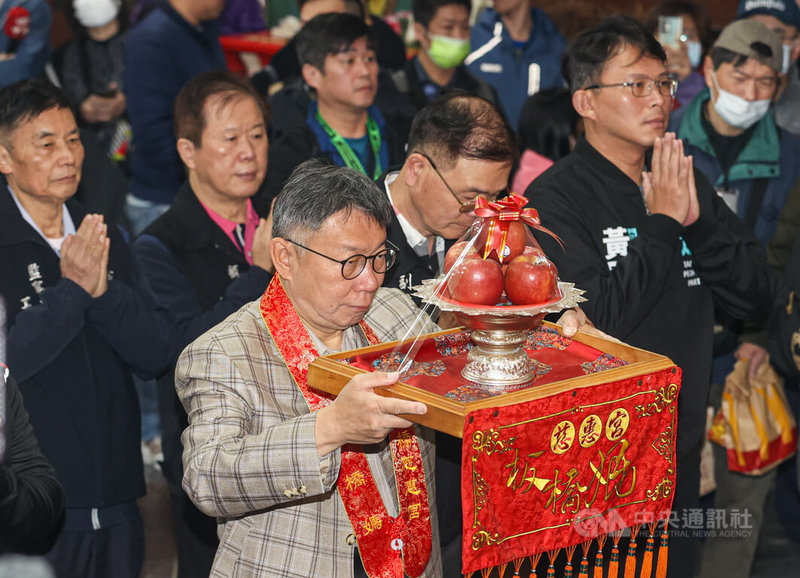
{"points": [[731, 134], [783, 18], [730, 130]]}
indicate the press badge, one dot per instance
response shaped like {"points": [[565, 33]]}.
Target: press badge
{"points": [[731, 198]]}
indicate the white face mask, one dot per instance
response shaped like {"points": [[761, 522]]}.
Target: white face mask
{"points": [[95, 13], [787, 58], [695, 51], [737, 111]]}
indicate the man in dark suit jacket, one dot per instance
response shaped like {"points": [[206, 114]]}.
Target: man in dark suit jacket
{"points": [[206, 257]]}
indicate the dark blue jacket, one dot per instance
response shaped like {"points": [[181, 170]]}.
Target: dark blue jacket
{"points": [[73, 356], [162, 53], [769, 154], [199, 277], [196, 273], [516, 73], [303, 138]]}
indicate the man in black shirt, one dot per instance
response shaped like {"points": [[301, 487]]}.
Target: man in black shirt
{"points": [[342, 123], [206, 257], [81, 318], [460, 147], [647, 237]]}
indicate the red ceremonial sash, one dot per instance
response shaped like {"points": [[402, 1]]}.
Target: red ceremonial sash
{"points": [[387, 545]]}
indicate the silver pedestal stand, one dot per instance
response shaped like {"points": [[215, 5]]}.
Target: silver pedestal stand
{"points": [[498, 359]]}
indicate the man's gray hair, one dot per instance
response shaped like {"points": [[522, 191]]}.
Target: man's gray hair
{"points": [[317, 190]]}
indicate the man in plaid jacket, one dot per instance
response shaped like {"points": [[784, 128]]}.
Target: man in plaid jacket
{"points": [[263, 452]]}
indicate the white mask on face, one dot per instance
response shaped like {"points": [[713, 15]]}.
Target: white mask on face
{"points": [[787, 58], [737, 111], [695, 51], [95, 13]]}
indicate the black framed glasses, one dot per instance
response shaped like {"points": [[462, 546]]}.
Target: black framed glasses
{"points": [[644, 86], [352, 267], [466, 206]]}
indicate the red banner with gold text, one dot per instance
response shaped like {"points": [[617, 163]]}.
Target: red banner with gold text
{"points": [[558, 471]]}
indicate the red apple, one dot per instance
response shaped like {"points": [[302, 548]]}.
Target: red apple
{"points": [[532, 250], [530, 280], [515, 241], [476, 281], [455, 251]]}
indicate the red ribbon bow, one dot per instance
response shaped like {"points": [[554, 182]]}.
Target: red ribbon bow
{"points": [[500, 214]]}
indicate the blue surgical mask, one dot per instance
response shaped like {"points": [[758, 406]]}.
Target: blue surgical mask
{"points": [[695, 53], [787, 58]]}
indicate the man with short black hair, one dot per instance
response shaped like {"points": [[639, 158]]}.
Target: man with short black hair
{"points": [[645, 235], [460, 147], [81, 318], [207, 256], [343, 125], [442, 28]]}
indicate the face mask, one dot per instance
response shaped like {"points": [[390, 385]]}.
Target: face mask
{"points": [[448, 52], [695, 52], [787, 58], [95, 13], [737, 111]]}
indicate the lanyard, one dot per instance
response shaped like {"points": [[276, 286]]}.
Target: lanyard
{"points": [[350, 158]]}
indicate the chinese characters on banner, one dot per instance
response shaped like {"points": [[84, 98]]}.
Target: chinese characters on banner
{"points": [[557, 471]]}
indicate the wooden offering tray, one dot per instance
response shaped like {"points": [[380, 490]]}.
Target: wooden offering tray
{"points": [[562, 364]]}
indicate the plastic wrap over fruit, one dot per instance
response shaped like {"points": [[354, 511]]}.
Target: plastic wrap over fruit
{"points": [[498, 261], [496, 271]]}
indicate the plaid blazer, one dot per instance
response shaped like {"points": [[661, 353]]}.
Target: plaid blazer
{"points": [[250, 457]]}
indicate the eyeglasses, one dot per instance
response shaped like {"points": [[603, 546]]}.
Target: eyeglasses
{"points": [[644, 86], [352, 267], [466, 206]]}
